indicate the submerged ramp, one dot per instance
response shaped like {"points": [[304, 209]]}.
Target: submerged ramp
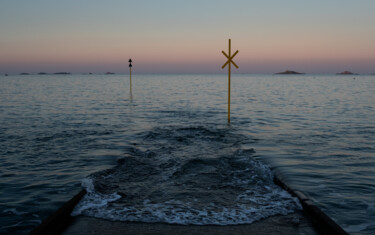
{"points": [[319, 219], [188, 176], [294, 223]]}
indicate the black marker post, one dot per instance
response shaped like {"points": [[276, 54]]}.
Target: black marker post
{"points": [[130, 71]]}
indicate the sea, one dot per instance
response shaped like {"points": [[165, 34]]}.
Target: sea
{"points": [[164, 152]]}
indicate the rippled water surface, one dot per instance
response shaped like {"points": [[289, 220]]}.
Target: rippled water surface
{"points": [[166, 154]]}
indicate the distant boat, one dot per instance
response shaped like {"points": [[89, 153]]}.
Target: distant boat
{"points": [[6, 75], [346, 73], [289, 72]]}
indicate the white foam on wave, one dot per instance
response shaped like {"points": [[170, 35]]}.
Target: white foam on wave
{"points": [[251, 207], [177, 212], [88, 184], [263, 199], [247, 183], [93, 200]]}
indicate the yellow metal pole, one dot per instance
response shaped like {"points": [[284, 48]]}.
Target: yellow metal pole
{"points": [[229, 84], [229, 62]]}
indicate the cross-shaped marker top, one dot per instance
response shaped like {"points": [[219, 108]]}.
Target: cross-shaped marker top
{"points": [[229, 57]]}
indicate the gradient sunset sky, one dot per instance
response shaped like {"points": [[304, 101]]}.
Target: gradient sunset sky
{"points": [[168, 36]]}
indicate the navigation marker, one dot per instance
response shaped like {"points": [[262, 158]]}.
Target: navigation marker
{"points": [[130, 70], [229, 62]]}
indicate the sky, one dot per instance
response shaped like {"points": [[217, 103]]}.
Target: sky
{"points": [[168, 36]]}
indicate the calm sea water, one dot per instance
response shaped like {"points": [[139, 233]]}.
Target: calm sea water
{"points": [[166, 154]]}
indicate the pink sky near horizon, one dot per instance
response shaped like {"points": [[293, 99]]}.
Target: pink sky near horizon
{"points": [[307, 37]]}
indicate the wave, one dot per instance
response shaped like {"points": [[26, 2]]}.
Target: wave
{"points": [[186, 175]]}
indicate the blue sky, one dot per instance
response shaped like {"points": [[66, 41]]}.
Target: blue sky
{"points": [[187, 36]]}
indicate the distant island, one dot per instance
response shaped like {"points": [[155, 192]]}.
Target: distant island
{"points": [[289, 72], [109, 73], [42, 73], [347, 73], [63, 73], [24, 74]]}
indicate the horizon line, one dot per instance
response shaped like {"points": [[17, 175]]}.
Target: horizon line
{"points": [[174, 73]]}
